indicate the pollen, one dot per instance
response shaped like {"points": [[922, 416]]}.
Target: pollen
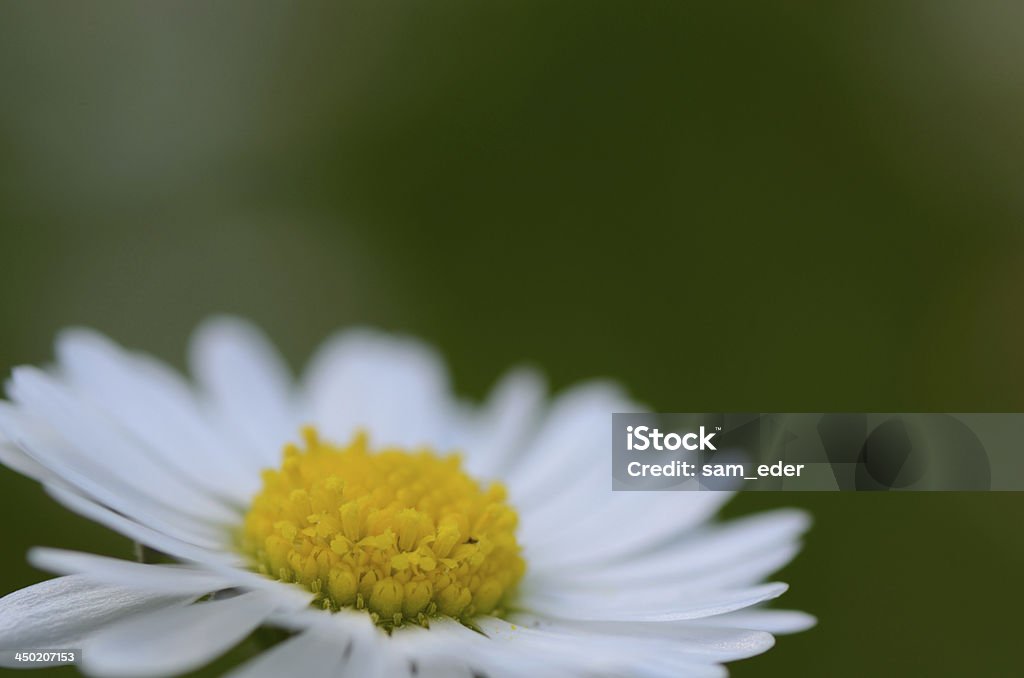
{"points": [[405, 535]]}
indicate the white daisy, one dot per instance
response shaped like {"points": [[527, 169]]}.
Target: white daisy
{"points": [[374, 548]]}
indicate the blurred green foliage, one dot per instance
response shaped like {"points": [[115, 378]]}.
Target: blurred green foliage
{"points": [[727, 206]]}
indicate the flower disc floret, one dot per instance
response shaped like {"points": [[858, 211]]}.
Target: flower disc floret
{"points": [[403, 534]]}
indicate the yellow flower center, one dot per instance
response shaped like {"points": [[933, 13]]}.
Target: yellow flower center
{"points": [[405, 535]]}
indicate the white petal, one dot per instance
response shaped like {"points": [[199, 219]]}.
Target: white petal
{"points": [[442, 667], [575, 432], [69, 466], [746, 572], [562, 488], [160, 541], [156, 405], [16, 460], [309, 654], [347, 622], [249, 385], [96, 445], [174, 641], [61, 612], [693, 637], [366, 648], [437, 652], [587, 654], [739, 544], [631, 605], [169, 579], [505, 424], [225, 564], [623, 525], [772, 621], [447, 637], [394, 388]]}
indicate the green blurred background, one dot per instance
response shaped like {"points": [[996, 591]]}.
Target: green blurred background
{"points": [[764, 206]]}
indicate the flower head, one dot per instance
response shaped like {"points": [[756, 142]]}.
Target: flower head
{"points": [[386, 526]]}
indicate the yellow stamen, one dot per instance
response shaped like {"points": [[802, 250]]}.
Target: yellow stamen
{"points": [[406, 535]]}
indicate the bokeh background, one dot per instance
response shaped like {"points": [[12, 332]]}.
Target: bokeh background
{"points": [[763, 206]]}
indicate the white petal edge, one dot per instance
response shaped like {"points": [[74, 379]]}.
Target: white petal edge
{"points": [[590, 653], [628, 606], [97, 513], [575, 429], [166, 579], [624, 526], [368, 651], [394, 387], [693, 637], [308, 653], [174, 641], [157, 405], [61, 612], [98, 443], [227, 565], [504, 424], [67, 467], [779, 622], [248, 384], [703, 551], [19, 462]]}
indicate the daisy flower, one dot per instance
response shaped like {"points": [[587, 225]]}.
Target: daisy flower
{"points": [[385, 527]]}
